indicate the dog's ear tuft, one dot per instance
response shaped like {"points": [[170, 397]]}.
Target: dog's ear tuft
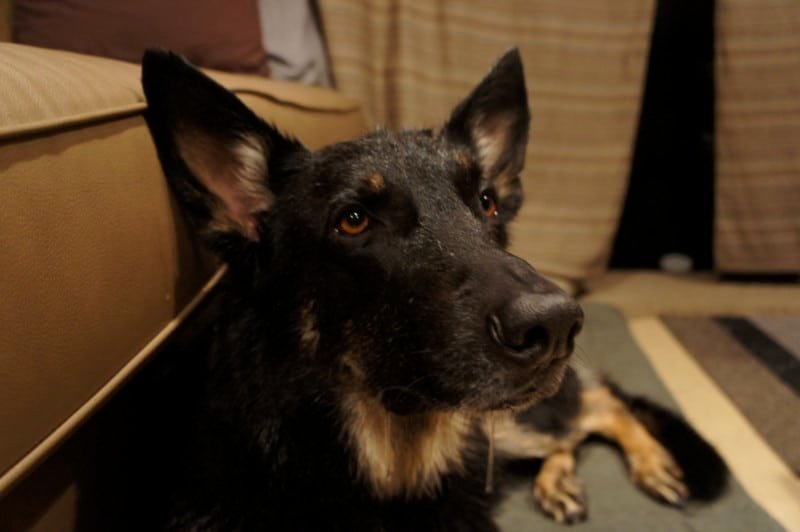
{"points": [[216, 153], [493, 122]]}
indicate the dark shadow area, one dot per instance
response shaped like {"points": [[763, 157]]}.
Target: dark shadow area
{"points": [[110, 474], [670, 202]]}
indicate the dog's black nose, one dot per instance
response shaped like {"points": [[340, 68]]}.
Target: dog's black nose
{"points": [[535, 326]]}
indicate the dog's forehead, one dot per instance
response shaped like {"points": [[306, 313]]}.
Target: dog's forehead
{"points": [[382, 161]]}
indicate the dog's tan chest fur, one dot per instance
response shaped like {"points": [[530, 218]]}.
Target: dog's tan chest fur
{"points": [[404, 455]]}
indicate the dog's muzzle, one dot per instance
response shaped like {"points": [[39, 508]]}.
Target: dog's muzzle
{"points": [[532, 328]]}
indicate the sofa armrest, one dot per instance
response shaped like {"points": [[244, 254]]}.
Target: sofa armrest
{"points": [[97, 266]]}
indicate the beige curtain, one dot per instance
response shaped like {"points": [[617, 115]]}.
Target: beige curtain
{"points": [[758, 136], [410, 62]]}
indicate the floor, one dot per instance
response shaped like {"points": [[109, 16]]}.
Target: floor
{"points": [[642, 296]]}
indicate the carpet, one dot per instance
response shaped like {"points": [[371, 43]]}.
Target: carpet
{"points": [[618, 347], [756, 362]]}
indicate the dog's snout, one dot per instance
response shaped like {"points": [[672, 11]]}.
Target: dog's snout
{"points": [[535, 326]]}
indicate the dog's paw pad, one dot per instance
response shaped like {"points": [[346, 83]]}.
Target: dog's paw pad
{"points": [[654, 471], [561, 496]]}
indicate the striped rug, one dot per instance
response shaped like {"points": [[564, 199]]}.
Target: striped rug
{"points": [[756, 362]]}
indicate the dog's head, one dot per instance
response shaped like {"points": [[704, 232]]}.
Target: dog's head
{"points": [[387, 253]]}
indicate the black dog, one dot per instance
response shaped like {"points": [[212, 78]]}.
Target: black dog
{"points": [[371, 329]]}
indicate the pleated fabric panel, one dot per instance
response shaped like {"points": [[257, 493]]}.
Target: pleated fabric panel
{"points": [[758, 136]]}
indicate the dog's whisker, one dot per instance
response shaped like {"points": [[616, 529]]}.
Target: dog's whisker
{"points": [[388, 444], [489, 484]]}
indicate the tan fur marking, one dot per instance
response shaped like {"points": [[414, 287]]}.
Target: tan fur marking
{"points": [[403, 455], [376, 182], [463, 159], [517, 440], [601, 413], [513, 439], [604, 414], [651, 465], [351, 368], [309, 333], [558, 491]]}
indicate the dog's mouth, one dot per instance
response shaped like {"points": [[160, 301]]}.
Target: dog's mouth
{"points": [[504, 387], [544, 384]]}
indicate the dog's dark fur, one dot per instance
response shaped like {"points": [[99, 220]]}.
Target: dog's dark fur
{"points": [[370, 321]]}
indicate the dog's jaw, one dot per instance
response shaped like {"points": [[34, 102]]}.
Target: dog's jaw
{"points": [[408, 455], [403, 456], [545, 387]]}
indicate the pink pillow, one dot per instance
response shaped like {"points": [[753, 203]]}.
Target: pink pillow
{"points": [[211, 33]]}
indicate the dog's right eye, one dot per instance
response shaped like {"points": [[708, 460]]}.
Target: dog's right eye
{"points": [[353, 221], [488, 203]]}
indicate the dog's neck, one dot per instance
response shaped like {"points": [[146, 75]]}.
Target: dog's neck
{"points": [[404, 455]]}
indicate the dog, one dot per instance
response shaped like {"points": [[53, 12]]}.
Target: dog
{"points": [[376, 353]]}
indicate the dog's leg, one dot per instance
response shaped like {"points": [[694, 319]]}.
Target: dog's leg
{"points": [[652, 467], [557, 489]]}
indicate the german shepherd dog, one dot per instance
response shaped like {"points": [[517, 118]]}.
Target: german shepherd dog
{"points": [[374, 345]]}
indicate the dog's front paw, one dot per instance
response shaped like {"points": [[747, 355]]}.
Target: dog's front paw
{"points": [[654, 471], [557, 490]]}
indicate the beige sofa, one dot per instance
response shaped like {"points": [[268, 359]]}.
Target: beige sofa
{"points": [[97, 268]]}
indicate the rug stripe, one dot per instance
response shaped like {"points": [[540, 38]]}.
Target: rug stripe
{"points": [[780, 361], [770, 405], [783, 329], [759, 470]]}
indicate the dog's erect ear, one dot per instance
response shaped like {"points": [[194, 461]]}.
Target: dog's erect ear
{"points": [[493, 122], [217, 154]]}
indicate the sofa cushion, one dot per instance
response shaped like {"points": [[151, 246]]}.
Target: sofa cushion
{"points": [[46, 90], [97, 265]]}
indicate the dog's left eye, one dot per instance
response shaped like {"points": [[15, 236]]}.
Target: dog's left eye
{"points": [[488, 203], [353, 221]]}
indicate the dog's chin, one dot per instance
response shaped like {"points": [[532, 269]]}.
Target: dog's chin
{"points": [[404, 402], [543, 385]]}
